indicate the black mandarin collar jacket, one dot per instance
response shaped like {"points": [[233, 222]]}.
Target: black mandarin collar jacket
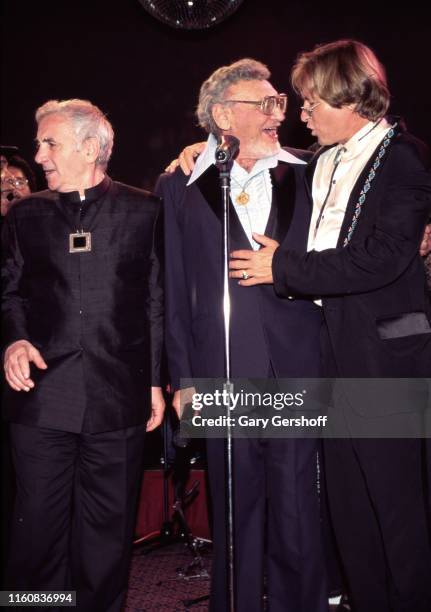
{"points": [[96, 317]]}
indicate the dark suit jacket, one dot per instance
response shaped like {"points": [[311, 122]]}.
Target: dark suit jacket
{"points": [[374, 291], [267, 333], [96, 317]]}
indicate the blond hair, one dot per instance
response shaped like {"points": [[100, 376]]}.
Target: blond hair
{"points": [[342, 73]]}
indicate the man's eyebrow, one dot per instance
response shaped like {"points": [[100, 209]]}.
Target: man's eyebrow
{"points": [[49, 140]]}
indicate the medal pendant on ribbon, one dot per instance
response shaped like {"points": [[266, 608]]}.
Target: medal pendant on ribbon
{"points": [[80, 242], [242, 199]]}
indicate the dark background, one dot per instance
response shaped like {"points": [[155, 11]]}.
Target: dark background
{"points": [[146, 75]]}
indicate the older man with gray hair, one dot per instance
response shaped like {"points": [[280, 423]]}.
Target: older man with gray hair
{"points": [[277, 529], [82, 315]]}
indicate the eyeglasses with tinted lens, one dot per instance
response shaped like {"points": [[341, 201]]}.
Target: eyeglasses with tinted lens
{"points": [[18, 183], [268, 104], [309, 110]]}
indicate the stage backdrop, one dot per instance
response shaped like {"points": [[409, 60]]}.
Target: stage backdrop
{"points": [[146, 76]]}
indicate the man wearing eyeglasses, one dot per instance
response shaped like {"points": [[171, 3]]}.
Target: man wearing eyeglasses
{"points": [[371, 190], [17, 178], [275, 494]]}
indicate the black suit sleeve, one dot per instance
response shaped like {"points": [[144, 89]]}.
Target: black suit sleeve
{"points": [[155, 307], [177, 316], [368, 263], [14, 323]]}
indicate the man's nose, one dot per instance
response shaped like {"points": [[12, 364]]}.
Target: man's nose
{"points": [[40, 156], [304, 115]]}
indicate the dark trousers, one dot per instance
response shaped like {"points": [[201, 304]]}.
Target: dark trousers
{"points": [[378, 508], [276, 512], [7, 480], [74, 514]]}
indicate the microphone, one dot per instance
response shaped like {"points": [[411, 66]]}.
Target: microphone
{"points": [[227, 149]]}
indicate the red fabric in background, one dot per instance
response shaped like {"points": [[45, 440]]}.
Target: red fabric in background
{"points": [[150, 510]]}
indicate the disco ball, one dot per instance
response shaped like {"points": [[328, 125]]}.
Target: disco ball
{"points": [[191, 14]]}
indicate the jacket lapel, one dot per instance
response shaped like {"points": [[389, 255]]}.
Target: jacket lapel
{"points": [[283, 201], [209, 186], [357, 188], [351, 204]]}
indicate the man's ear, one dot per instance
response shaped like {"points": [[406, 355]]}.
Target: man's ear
{"points": [[91, 149], [222, 116]]}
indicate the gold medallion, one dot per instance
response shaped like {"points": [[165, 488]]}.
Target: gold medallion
{"points": [[242, 199]]}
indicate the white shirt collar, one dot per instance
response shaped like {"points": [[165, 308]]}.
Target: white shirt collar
{"points": [[206, 159], [368, 135]]}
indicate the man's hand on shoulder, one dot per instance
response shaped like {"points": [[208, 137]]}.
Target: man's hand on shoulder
{"points": [[157, 408], [186, 158], [17, 359]]}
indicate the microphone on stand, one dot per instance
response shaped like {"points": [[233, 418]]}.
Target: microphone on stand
{"points": [[227, 149]]}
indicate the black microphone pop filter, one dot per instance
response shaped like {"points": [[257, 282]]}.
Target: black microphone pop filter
{"points": [[227, 149]]}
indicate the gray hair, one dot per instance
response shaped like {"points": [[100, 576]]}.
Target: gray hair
{"points": [[214, 88], [88, 122]]}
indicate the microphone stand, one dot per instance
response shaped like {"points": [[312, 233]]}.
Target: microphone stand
{"points": [[224, 169]]}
